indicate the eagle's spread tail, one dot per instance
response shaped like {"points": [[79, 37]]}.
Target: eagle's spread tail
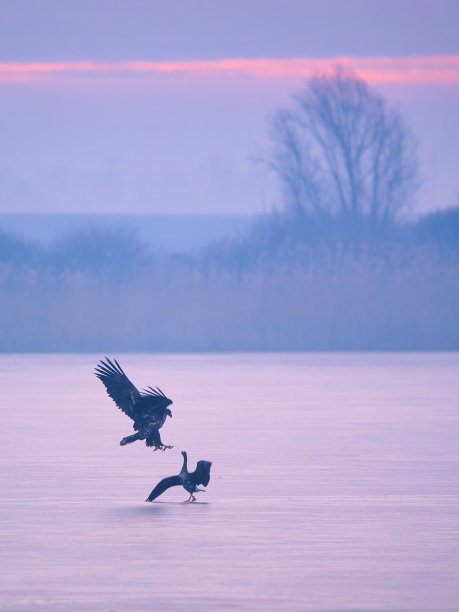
{"points": [[130, 439]]}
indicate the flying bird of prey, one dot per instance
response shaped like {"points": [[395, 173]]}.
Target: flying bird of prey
{"points": [[188, 480], [148, 408]]}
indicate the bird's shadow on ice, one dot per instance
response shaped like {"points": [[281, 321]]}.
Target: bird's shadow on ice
{"points": [[150, 509], [182, 503]]}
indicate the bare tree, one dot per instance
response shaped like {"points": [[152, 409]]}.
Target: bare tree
{"points": [[340, 151]]}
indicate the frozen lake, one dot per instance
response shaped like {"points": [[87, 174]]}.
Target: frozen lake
{"points": [[334, 485]]}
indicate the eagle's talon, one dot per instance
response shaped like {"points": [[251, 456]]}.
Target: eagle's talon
{"points": [[163, 447]]}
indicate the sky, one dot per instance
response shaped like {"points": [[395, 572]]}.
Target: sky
{"points": [[152, 107]]}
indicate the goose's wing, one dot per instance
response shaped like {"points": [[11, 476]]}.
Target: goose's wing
{"points": [[119, 387], [202, 472], [166, 483]]}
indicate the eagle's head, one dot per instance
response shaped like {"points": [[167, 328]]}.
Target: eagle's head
{"points": [[168, 412]]}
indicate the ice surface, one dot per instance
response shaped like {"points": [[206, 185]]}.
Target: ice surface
{"points": [[334, 485]]}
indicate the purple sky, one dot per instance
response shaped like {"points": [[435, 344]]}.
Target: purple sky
{"points": [[98, 138]]}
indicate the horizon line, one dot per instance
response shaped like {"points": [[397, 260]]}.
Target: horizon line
{"points": [[432, 69]]}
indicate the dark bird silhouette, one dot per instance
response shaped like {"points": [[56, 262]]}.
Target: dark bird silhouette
{"points": [[188, 480], [148, 409]]}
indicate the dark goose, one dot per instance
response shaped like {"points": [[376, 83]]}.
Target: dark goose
{"points": [[188, 480]]}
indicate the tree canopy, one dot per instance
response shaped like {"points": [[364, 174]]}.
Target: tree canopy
{"points": [[340, 151]]}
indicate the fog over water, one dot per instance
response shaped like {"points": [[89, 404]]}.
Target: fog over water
{"points": [[334, 485], [281, 285], [342, 262], [164, 233]]}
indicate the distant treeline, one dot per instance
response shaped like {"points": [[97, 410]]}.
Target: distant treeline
{"points": [[289, 284]]}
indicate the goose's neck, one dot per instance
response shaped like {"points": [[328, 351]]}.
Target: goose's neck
{"points": [[184, 469]]}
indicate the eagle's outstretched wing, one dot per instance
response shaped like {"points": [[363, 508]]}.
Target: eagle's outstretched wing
{"points": [[150, 401], [119, 387], [166, 483], [202, 472]]}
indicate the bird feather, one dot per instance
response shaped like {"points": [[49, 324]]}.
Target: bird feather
{"points": [[166, 483], [202, 472], [118, 386]]}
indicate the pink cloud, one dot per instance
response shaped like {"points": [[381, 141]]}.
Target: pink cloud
{"points": [[403, 70]]}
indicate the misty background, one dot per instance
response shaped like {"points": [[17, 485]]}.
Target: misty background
{"points": [[103, 288], [227, 211], [341, 265]]}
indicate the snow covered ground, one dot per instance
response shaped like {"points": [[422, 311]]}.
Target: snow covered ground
{"points": [[334, 485]]}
